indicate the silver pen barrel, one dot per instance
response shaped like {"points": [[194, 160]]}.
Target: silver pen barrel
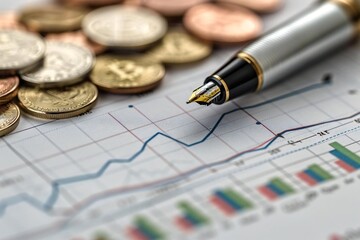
{"points": [[318, 32]]}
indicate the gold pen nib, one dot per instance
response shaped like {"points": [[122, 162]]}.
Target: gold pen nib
{"points": [[193, 97], [205, 94]]}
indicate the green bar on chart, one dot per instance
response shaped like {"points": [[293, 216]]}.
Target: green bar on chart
{"points": [[346, 151], [239, 199], [147, 227], [193, 213], [321, 172], [282, 185]]}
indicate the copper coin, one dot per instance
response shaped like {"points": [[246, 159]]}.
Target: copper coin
{"points": [[90, 3], [172, 8], [77, 38], [223, 23], [9, 20], [258, 5], [8, 89], [133, 2]]}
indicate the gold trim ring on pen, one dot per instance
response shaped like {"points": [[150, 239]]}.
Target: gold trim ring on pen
{"points": [[251, 60], [227, 92], [350, 6]]}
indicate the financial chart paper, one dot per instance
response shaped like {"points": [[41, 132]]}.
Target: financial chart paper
{"points": [[281, 164]]}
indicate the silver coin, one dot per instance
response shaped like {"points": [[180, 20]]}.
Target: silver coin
{"points": [[19, 50], [65, 64], [124, 27]]}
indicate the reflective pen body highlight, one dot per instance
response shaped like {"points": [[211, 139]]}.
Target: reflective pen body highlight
{"points": [[319, 31]]}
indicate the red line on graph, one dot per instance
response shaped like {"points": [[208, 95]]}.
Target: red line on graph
{"points": [[267, 193], [306, 178]]}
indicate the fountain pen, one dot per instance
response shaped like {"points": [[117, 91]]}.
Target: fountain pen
{"points": [[321, 30]]}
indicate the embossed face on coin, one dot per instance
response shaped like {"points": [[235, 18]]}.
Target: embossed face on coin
{"points": [[124, 27], [9, 118], [52, 18], [65, 64], [58, 103], [19, 50], [125, 75], [8, 89], [178, 47], [223, 23]]}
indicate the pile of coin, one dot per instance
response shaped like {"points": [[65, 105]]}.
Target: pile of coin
{"points": [[53, 59]]}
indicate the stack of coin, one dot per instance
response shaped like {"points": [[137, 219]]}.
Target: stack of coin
{"points": [[120, 49], [20, 51], [9, 112]]}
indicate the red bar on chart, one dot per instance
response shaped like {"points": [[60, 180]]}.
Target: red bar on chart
{"points": [[223, 206], [135, 234], [184, 224], [345, 166], [267, 193], [306, 178]]}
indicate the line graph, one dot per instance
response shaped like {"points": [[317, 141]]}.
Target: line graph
{"points": [[66, 217], [47, 206]]}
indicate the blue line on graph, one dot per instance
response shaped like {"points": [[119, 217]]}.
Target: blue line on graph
{"points": [[56, 184]]}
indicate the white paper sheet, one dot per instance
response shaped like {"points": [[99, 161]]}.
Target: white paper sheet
{"points": [[145, 155]]}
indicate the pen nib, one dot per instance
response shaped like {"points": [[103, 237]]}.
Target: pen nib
{"points": [[205, 94]]}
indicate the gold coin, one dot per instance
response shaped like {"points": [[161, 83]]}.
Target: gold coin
{"points": [[58, 103], [179, 47], [9, 118], [126, 75], [52, 18]]}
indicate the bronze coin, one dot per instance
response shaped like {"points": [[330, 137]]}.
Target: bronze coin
{"points": [[9, 20], [263, 6], [223, 23], [52, 18], [171, 8], [8, 89], [77, 38]]}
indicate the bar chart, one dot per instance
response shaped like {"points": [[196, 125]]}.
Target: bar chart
{"points": [[144, 229], [314, 175], [275, 189], [230, 202], [347, 159], [191, 217]]}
